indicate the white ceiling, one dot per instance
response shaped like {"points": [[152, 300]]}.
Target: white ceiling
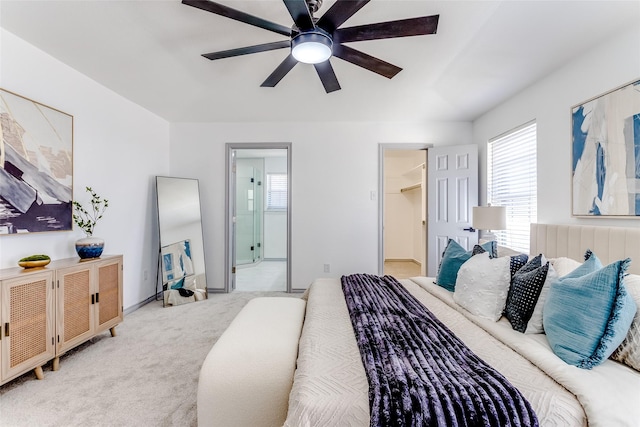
{"points": [[149, 52]]}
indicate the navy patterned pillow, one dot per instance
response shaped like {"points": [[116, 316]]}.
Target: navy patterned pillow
{"points": [[517, 262], [524, 292], [477, 249]]}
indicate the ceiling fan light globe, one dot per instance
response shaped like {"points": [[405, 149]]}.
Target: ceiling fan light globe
{"points": [[311, 48]]}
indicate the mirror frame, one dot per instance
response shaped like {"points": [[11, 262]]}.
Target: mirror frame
{"points": [[182, 202]]}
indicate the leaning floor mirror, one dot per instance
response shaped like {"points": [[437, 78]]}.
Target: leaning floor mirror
{"points": [[181, 266]]}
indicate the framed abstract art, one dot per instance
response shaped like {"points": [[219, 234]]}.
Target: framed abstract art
{"points": [[176, 261], [605, 145], [36, 166]]}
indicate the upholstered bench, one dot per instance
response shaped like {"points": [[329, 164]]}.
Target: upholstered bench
{"points": [[247, 376]]}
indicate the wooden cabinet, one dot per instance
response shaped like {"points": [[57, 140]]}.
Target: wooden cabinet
{"points": [[47, 311], [89, 301], [27, 311]]}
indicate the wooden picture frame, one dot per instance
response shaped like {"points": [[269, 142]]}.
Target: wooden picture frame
{"points": [[36, 166], [605, 147]]}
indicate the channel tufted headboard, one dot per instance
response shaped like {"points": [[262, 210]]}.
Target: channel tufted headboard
{"points": [[608, 243]]}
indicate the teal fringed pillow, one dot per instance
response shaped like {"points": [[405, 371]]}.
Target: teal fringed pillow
{"points": [[588, 312], [452, 259]]}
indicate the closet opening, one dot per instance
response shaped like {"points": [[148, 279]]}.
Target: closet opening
{"points": [[403, 200], [426, 196]]}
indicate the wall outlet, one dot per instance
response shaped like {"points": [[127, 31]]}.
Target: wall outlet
{"points": [[145, 275], [327, 268]]}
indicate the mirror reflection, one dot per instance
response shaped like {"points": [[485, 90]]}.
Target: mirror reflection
{"points": [[182, 263]]}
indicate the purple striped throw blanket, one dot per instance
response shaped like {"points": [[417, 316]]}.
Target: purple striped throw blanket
{"points": [[420, 373]]}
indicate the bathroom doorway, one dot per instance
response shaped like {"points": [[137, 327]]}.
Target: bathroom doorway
{"points": [[258, 217]]}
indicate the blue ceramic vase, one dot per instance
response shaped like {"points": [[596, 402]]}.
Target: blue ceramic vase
{"points": [[89, 247]]}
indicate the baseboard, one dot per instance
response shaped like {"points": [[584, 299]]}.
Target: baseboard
{"points": [[142, 303]]}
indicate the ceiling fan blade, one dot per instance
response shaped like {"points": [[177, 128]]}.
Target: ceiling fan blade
{"points": [[247, 50], [299, 11], [281, 71], [365, 61], [387, 30], [327, 76], [237, 15], [339, 13]]}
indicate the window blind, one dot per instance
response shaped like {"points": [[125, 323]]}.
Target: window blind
{"points": [[512, 182], [277, 191]]}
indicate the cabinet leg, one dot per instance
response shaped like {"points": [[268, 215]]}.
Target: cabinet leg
{"points": [[56, 363], [113, 331], [38, 372]]}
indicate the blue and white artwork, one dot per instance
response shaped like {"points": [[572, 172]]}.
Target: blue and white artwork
{"points": [[606, 154], [176, 261]]}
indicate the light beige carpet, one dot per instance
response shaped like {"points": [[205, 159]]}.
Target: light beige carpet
{"points": [[146, 376]]}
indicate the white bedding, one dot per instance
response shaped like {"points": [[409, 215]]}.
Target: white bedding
{"points": [[609, 393], [330, 385]]}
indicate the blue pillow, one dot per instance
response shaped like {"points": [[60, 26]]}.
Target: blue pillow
{"points": [[452, 259], [591, 263], [588, 312]]}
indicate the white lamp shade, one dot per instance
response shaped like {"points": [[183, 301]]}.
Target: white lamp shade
{"points": [[489, 217]]}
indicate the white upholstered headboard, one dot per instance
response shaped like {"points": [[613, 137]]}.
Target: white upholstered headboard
{"points": [[608, 243]]}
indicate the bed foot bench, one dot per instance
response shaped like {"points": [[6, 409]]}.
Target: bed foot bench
{"points": [[247, 376]]}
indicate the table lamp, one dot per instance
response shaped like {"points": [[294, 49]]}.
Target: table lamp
{"points": [[489, 218]]}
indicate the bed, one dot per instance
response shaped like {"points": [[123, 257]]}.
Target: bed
{"points": [[330, 385], [331, 388]]}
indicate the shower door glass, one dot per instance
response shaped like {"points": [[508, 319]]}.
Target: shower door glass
{"points": [[248, 213], [258, 209]]}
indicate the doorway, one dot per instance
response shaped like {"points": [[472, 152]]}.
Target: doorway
{"points": [[449, 190], [258, 217], [403, 200]]}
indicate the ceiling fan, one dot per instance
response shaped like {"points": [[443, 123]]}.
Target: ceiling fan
{"points": [[314, 40]]}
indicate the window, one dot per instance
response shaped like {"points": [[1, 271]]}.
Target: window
{"points": [[512, 182], [276, 191]]}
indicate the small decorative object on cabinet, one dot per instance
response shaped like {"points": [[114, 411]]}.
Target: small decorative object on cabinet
{"points": [[45, 312], [34, 261], [89, 247]]}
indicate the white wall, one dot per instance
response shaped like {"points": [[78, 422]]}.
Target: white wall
{"points": [[334, 170], [611, 64], [118, 149]]}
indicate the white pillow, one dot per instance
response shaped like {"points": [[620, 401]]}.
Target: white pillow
{"points": [[535, 323], [482, 285], [507, 251], [564, 265]]}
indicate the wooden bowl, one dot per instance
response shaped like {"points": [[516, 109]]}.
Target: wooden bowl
{"points": [[33, 264]]}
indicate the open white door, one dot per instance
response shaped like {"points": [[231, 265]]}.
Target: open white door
{"points": [[452, 192]]}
